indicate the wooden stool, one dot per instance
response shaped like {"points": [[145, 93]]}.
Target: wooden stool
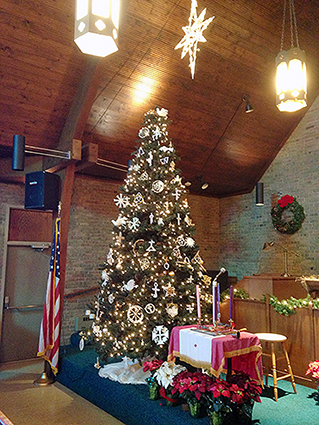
{"points": [[273, 338]]}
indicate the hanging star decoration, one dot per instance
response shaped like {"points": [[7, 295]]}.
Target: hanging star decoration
{"points": [[193, 35]]}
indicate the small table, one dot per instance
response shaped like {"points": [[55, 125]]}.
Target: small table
{"points": [[202, 350]]}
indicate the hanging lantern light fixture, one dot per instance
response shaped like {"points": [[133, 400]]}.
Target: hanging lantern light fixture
{"points": [[96, 26], [291, 80]]}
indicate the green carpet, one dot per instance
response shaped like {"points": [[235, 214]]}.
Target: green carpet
{"points": [[130, 404], [290, 409]]}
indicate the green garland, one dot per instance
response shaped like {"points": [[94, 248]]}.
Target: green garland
{"points": [[287, 307], [238, 293], [287, 203]]}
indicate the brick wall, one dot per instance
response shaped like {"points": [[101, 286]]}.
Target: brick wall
{"points": [[245, 227], [90, 234]]}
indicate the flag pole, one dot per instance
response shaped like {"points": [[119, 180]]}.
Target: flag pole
{"points": [[47, 377], [50, 325]]}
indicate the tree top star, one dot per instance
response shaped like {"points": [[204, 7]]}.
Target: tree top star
{"points": [[193, 35]]}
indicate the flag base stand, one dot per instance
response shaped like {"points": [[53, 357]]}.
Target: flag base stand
{"points": [[47, 377]]}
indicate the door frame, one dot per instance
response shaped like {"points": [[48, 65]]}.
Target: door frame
{"points": [[6, 244]]}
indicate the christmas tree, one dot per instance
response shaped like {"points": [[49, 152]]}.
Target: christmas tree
{"points": [[149, 281]]}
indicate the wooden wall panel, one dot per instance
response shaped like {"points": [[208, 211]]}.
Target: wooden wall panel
{"points": [[250, 314], [27, 225]]}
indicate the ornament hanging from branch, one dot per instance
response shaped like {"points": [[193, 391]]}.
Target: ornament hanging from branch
{"points": [[193, 35]]}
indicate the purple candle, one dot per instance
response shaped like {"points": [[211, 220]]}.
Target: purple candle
{"points": [[231, 303], [218, 302], [215, 301]]}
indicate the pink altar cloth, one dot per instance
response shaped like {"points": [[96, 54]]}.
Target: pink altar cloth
{"points": [[210, 352]]}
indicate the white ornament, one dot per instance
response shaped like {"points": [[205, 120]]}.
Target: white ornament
{"points": [[151, 218], [156, 133], [149, 160], [164, 160], [156, 290], [134, 224], [158, 186], [177, 193], [172, 310], [144, 262], [138, 199], [151, 246], [135, 314], [178, 218], [166, 265], [119, 238], [111, 298], [160, 334], [105, 276], [190, 308], [166, 149], [162, 112], [160, 221], [120, 221], [140, 151], [130, 285], [188, 221], [144, 176], [190, 242], [169, 290], [193, 35], [122, 201], [109, 257], [135, 167], [181, 241], [149, 308], [144, 132]]}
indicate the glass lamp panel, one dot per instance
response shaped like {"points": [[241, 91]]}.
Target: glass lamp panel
{"points": [[101, 8], [82, 9], [116, 13], [281, 78]]}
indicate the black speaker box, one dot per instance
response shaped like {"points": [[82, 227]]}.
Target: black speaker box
{"points": [[41, 191]]}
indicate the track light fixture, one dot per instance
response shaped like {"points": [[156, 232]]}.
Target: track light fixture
{"points": [[20, 148], [249, 106], [204, 185]]}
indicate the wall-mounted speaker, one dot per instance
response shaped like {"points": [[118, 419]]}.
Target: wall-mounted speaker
{"points": [[41, 191], [18, 152]]}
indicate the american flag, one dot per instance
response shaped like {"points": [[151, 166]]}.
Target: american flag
{"points": [[50, 326]]}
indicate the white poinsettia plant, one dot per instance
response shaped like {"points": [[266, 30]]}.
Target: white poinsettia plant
{"points": [[166, 373]]}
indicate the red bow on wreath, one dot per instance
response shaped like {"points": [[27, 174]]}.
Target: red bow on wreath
{"points": [[285, 200]]}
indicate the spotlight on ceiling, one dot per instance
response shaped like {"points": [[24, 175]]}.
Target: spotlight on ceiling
{"points": [[204, 185], [249, 106]]}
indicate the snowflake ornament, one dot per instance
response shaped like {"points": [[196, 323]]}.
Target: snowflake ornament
{"points": [[135, 314], [134, 224], [122, 201]]}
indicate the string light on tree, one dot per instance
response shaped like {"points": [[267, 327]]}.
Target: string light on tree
{"points": [[153, 266]]}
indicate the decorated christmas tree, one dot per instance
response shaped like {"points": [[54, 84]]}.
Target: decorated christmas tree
{"points": [[153, 267]]}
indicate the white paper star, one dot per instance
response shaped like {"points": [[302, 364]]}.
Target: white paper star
{"points": [[193, 35]]}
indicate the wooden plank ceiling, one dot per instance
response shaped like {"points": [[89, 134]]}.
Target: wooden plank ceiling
{"points": [[45, 84]]}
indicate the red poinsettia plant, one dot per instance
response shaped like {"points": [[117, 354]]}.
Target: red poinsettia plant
{"points": [[285, 200], [152, 365], [192, 385], [243, 388], [313, 369]]}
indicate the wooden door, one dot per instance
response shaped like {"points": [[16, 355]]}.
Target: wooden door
{"points": [[26, 270]]}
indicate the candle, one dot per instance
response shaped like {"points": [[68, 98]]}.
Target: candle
{"points": [[214, 301], [231, 302], [198, 302], [218, 302]]}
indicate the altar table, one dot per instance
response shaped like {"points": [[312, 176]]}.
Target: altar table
{"points": [[206, 351]]}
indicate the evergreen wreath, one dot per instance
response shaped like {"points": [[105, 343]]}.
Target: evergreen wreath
{"points": [[287, 215]]}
